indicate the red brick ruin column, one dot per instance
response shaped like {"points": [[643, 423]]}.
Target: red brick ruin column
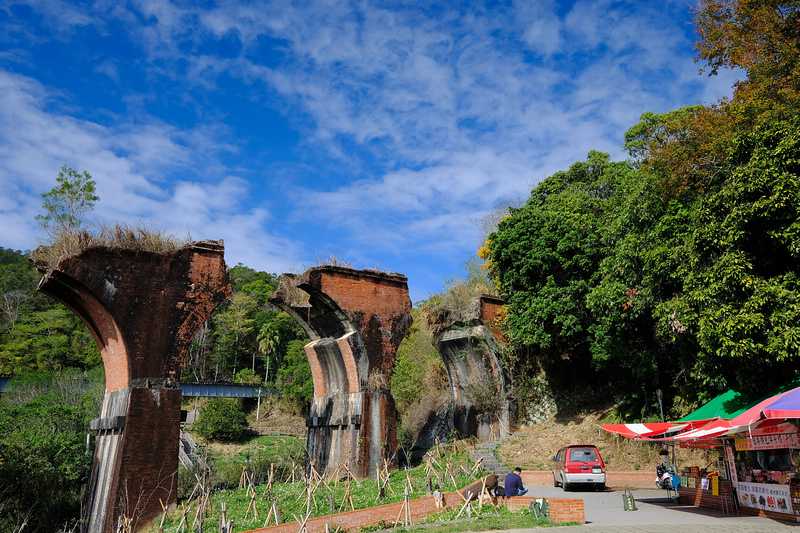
{"points": [[143, 309], [355, 320], [481, 407]]}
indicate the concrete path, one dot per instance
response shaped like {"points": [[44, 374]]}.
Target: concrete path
{"points": [[605, 513]]}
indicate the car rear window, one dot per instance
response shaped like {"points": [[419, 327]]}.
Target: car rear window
{"points": [[583, 454]]}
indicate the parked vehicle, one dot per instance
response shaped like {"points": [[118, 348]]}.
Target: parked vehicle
{"points": [[667, 477], [579, 465]]}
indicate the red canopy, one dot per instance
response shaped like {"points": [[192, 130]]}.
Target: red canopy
{"points": [[642, 430], [716, 427], [787, 406], [754, 413]]}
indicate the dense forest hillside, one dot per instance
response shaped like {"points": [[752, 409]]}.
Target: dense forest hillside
{"points": [[676, 270]]}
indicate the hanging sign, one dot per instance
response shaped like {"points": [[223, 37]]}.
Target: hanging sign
{"points": [[729, 458], [768, 442]]}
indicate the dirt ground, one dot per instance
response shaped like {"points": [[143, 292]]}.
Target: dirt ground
{"points": [[531, 448]]}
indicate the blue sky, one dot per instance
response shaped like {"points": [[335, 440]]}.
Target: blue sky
{"points": [[379, 132]]}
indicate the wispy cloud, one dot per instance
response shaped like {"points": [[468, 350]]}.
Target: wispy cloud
{"points": [[376, 128]]}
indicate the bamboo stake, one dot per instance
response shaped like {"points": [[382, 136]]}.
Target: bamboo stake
{"points": [[397, 520], [271, 476], [252, 506], [303, 524], [408, 510], [183, 518], [466, 504], [405, 510], [480, 497], [163, 516], [347, 497]]}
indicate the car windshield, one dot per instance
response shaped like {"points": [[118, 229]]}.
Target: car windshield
{"points": [[583, 454]]}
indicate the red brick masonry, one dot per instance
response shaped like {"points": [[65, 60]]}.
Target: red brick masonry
{"points": [[638, 479], [561, 510]]}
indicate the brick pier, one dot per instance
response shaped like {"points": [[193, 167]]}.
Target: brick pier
{"points": [[143, 309]]}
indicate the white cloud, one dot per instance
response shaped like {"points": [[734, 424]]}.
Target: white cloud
{"points": [[127, 162]]}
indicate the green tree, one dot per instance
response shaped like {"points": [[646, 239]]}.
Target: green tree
{"points": [[234, 325], [295, 382], [737, 277], [18, 282], [418, 370], [762, 37], [50, 338], [222, 419], [67, 203], [685, 148], [268, 340], [546, 257], [235, 335], [43, 426]]}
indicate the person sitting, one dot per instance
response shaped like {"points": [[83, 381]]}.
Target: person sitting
{"points": [[513, 484]]}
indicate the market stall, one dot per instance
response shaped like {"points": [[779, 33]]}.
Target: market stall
{"points": [[758, 470], [760, 455]]}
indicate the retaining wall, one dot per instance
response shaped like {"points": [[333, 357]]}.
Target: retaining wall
{"points": [[634, 480]]}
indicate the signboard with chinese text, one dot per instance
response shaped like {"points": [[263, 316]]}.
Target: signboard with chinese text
{"points": [[702, 445], [768, 497], [768, 442]]}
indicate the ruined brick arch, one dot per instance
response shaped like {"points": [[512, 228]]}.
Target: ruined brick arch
{"points": [[143, 309], [334, 362], [355, 320], [100, 323], [471, 356]]}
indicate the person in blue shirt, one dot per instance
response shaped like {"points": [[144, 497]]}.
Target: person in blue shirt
{"points": [[513, 485]]}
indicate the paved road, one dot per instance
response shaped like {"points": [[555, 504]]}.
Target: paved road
{"points": [[604, 512]]}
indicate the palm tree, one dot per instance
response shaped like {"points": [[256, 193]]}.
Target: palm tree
{"points": [[268, 339]]}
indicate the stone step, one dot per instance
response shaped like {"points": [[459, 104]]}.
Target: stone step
{"points": [[489, 461]]}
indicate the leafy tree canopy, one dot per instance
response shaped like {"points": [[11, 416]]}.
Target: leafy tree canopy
{"points": [[68, 202], [761, 37], [222, 419]]}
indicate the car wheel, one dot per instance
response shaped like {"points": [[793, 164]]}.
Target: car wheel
{"points": [[566, 486], [601, 487], [555, 483]]}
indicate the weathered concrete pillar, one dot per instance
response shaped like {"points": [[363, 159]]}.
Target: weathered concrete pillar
{"points": [[481, 406], [143, 309], [355, 320]]}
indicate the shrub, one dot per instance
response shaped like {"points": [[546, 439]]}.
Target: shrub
{"points": [[248, 377], [222, 419]]}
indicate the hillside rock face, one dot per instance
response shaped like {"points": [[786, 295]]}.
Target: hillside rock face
{"points": [[356, 320], [143, 309]]}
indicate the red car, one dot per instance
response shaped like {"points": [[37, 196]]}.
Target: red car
{"points": [[579, 465]]}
